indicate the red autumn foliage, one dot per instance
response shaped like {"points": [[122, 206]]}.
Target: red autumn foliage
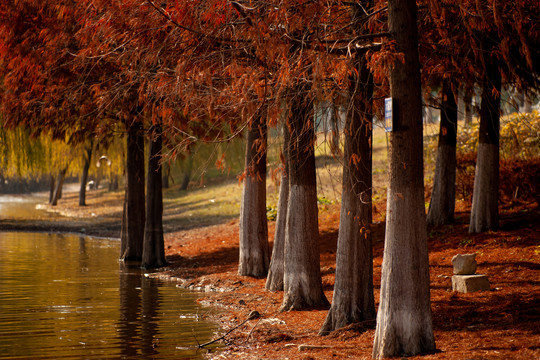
{"points": [[519, 179]]}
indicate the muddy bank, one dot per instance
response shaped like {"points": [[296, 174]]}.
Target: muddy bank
{"points": [[107, 229]]}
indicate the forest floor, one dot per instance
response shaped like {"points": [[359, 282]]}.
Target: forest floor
{"points": [[503, 323]]}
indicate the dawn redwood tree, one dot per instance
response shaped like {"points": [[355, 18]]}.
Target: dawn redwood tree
{"points": [[490, 44], [443, 196], [404, 323], [133, 219], [254, 250], [40, 87], [485, 211], [153, 255], [125, 44], [274, 280], [353, 299], [302, 283]]}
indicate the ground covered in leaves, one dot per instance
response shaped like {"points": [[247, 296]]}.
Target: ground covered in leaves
{"points": [[503, 323]]}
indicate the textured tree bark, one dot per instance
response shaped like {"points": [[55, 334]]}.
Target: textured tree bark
{"points": [[166, 173], [334, 136], [353, 299], [187, 171], [254, 251], [52, 186], [153, 255], [467, 100], [84, 176], [113, 183], [443, 196], [274, 281], [404, 323], [132, 234], [484, 211], [302, 283], [58, 188]]}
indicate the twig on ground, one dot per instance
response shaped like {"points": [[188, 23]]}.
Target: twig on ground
{"points": [[252, 315]]}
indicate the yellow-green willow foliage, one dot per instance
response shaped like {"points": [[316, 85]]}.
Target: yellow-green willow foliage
{"points": [[108, 162], [24, 156]]}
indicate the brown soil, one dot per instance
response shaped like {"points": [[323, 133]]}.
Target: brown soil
{"points": [[503, 323]]}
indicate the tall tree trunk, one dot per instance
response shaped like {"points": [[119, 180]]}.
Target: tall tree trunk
{"points": [[166, 173], [113, 183], [187, 170], [467, 100], [274, 281], [443, 196], [131, 239], [404, 322], [84, 176], [254, 251], [52, 187], [485, 212], [353, 299], [58, 189], [334, 126], [302, 282], [154, 248]]}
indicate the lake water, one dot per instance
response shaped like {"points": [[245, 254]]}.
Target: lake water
{"points": [[67, 297], [24, 207]]}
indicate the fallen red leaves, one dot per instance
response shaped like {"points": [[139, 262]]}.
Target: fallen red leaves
{"points": [[499, 324]]}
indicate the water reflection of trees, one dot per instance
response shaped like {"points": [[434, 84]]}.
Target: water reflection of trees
{"points": [[139, 304], [150, 305]]}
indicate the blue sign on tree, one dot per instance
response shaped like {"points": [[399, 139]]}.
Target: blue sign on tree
{"points": [[388, 114]]}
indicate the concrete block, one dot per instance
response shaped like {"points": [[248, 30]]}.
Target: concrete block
{"points": [[464, 264], [470, 283]]}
